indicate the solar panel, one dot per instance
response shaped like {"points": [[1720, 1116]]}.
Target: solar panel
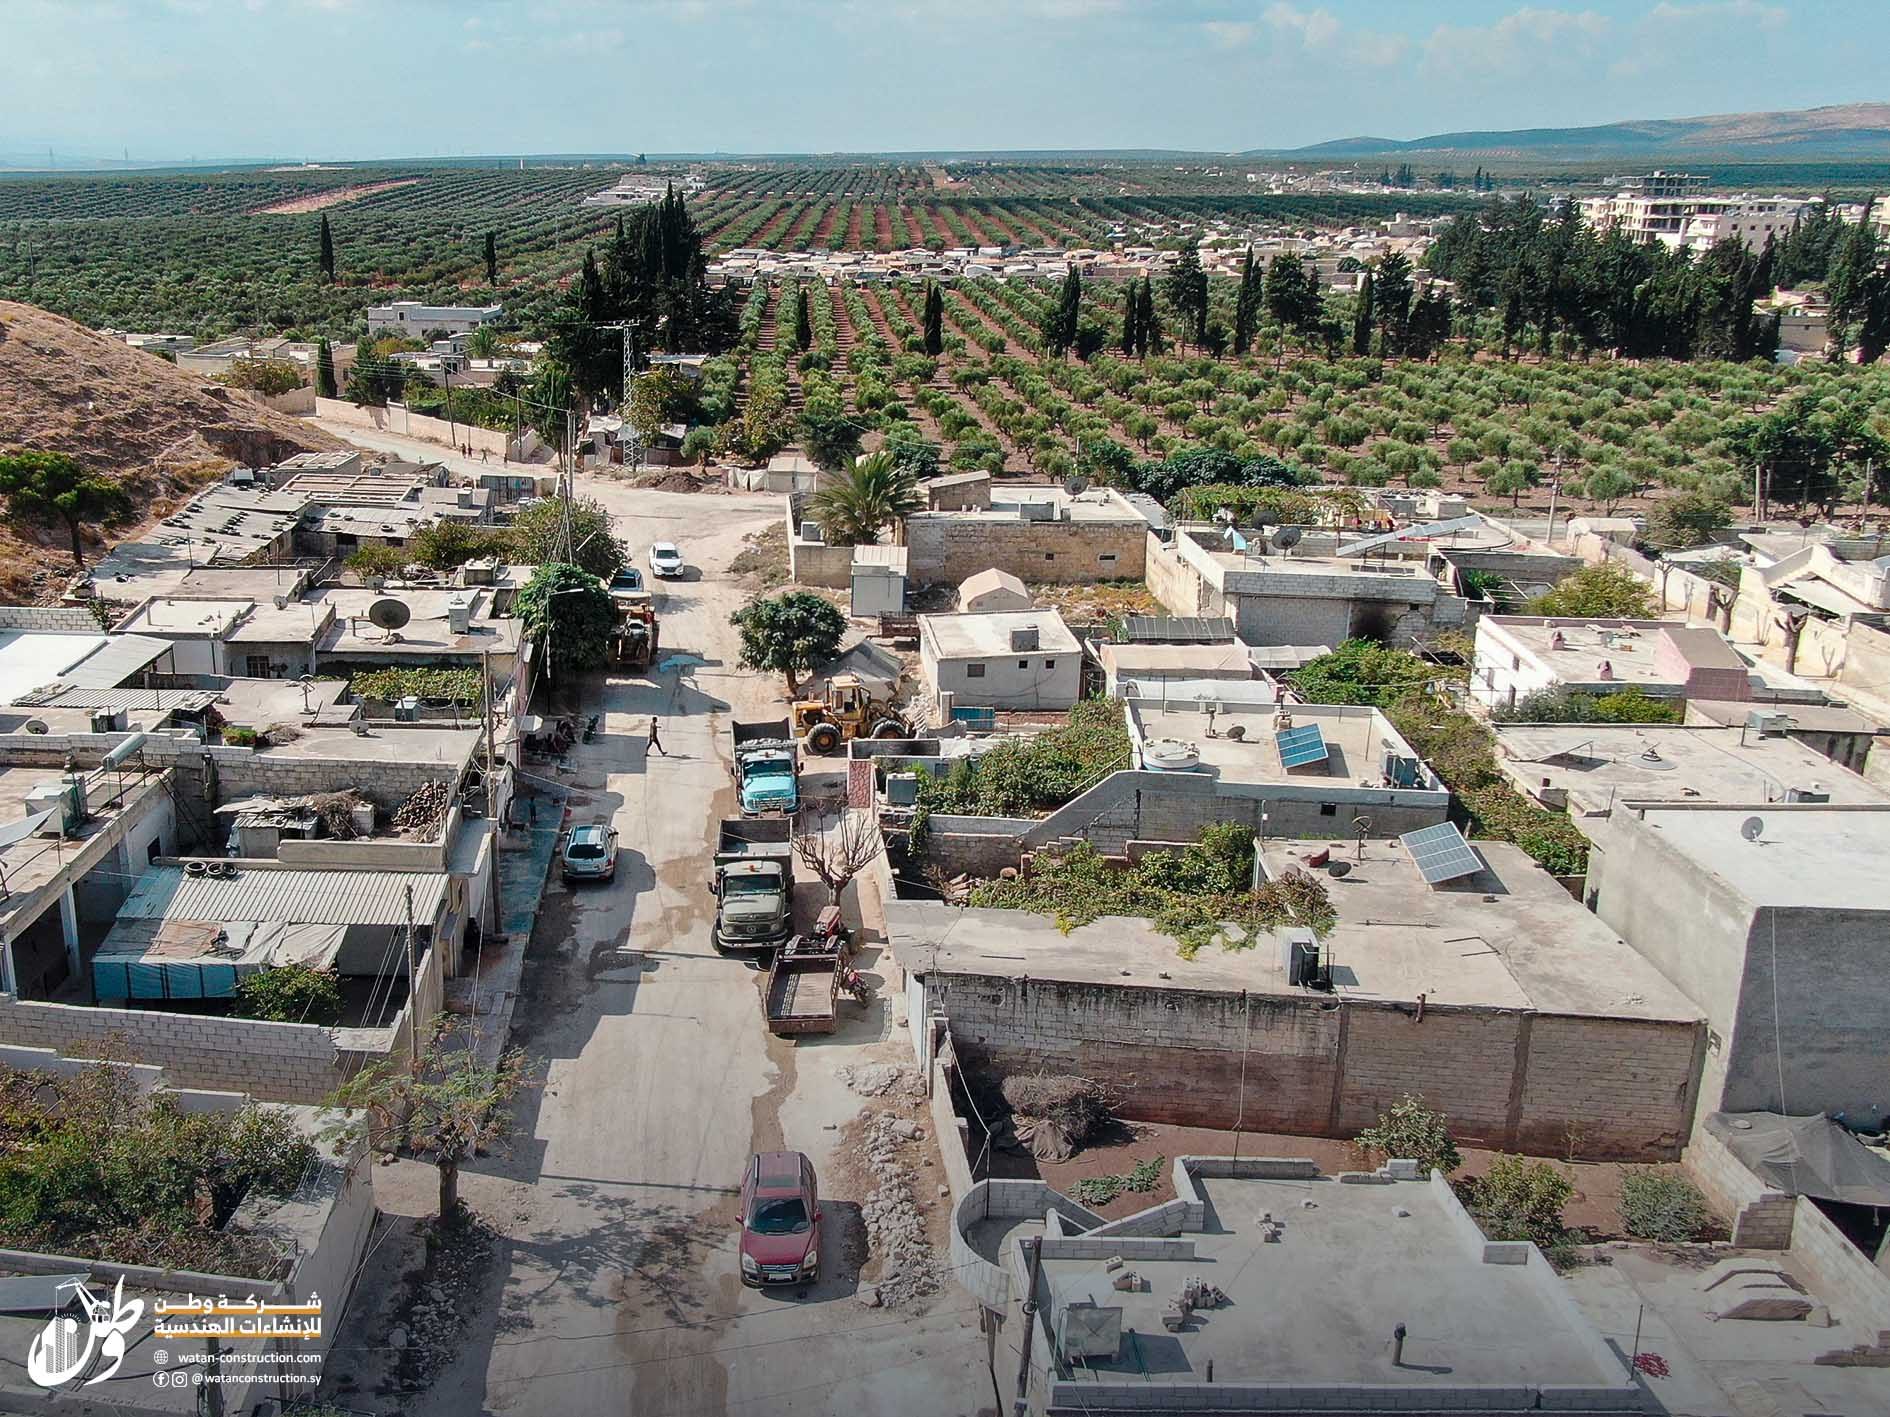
{"points": [[1440, 853], [1300, 746], [1185, 630]]}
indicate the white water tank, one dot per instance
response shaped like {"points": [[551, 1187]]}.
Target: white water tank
{"points": [[1170, 755]]}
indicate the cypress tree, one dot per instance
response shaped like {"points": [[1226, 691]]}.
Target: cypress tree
{"points": [[1362, 319], [1246, 305], [1148, 333], [802, 329], [934, 319], [327, 255], [324, 370], [1069, 310], [1131, 318], [492, 259]]}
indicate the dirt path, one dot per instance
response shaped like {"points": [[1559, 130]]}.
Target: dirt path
{"points": [[333, 197]]}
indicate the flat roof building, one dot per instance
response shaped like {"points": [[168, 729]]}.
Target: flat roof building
{"points": [[1025, 660], [1315, 1273], [1773, 919], [1494, 995], [1589, 768], [1520, 655], [410, 317]]}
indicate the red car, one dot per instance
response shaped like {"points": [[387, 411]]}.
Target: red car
{"points": [[780, 1220]]}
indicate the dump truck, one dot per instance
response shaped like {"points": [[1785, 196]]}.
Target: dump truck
{"points": [[633, 644], [753, 883], [765, 762]]}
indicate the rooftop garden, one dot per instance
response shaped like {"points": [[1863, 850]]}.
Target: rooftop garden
{"points": [[92, 1167]]}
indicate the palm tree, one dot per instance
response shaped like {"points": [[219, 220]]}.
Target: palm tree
{"points": [[876, 492]]}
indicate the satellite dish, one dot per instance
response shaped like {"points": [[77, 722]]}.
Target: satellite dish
{"points": [[389, 613], [1286, 538], [1751, 827]]}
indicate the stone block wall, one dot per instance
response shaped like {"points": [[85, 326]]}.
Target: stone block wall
{"points": [[949, 548], [1315, 1066], [1839, 1273]]}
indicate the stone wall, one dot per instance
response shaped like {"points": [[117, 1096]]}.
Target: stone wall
{"points": [[945, 547], [1316, 1066], [395, 418]]}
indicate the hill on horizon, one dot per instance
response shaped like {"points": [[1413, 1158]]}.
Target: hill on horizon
{"points": [[1852, 130], [137, 418]]}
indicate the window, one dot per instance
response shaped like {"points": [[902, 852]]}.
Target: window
{"points": [[974, 671], [1049, 664], [1049, 555], [153, 850], [1023, 664], [256, 666], [1107, 558], [1328, 809], [345, 538]]}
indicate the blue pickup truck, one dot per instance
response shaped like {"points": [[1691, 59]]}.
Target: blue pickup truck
{"points": [[765, 762]]}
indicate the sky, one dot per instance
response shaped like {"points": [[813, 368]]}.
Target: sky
{"points": [[360, 79]]}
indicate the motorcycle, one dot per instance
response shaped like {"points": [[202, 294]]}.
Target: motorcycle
{"points": [[590, 728], [855, 985]]}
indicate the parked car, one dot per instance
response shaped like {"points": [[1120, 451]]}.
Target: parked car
{"points": [[665, 560], [628, 580], [780, 1220], [590, 853]]}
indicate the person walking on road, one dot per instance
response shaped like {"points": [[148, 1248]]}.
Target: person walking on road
{"points": [[656, 742]]}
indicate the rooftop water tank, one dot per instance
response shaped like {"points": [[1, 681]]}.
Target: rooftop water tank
{"points": [[1170, 755]]}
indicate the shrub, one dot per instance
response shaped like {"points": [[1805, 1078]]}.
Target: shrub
{"points": [[377, 561], [461, 686], [1604, 591], [1411, 1131], [1520, 1199], [291, 993], [240, 736], [1659, 1206]]}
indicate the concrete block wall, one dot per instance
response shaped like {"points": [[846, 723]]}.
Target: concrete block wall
{"points": [[274, 1062], [72, 618], [1837, 1271], [1315, 1070], [1761, 1218], [1168, 1218], [1088, 1396], [944, 547], [1110, 1243], [1173, 580]]}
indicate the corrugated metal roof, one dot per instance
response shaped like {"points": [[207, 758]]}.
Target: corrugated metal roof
{"points": [[303, 897], [120, 700], [115, 661], [1177, 630]]}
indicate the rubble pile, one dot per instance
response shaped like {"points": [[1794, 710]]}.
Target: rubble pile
{"points": [[432, 1332], [910, 1270], [421, 814], [878, 1079]]}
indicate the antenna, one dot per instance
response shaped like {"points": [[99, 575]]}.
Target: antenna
{"points": [[1751, 828], [1286, 538]]}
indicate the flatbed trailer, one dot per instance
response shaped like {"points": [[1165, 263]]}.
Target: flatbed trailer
{"points": [[803, 994]]}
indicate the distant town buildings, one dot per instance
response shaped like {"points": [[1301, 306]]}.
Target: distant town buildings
{"points": [[410, 317], [1670, 209]]}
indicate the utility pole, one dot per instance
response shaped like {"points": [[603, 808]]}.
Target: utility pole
{"points": [[1022, 1405], [413, 1001], [570, 476], [492, 794]]}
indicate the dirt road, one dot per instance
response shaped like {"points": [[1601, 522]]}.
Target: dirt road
{"points": [[614, 1286]]}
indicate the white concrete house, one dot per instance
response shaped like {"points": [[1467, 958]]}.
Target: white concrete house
{"points": [[1018, 660]]}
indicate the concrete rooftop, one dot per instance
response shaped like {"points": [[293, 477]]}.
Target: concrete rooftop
{"points": [[1597, 764], [1357, 740], [406, 742], [989, 636], [1529, 945], [169, 616], [1318, 1306], [1806, 857]]}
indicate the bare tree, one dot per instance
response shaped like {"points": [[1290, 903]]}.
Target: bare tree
{"points": [[837, 847]]}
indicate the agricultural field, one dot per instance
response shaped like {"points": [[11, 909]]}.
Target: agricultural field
{"points": [[207, 254], [1613, 435]]}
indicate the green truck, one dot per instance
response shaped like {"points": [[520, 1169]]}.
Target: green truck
{"points": [[753, 883]]}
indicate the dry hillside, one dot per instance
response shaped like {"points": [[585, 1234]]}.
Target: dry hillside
{"points": [[160, 431]]}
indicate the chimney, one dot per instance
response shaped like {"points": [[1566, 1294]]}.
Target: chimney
{"points": [[459, 614]]}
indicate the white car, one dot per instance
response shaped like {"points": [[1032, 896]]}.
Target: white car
{"points": [[665, 560]]}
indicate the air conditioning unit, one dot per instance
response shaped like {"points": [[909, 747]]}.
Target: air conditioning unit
{"points": [[1023, 638], [902, 789]]}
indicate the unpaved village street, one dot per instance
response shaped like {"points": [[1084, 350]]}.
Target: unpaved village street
{"points": [[613, 1286]]}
